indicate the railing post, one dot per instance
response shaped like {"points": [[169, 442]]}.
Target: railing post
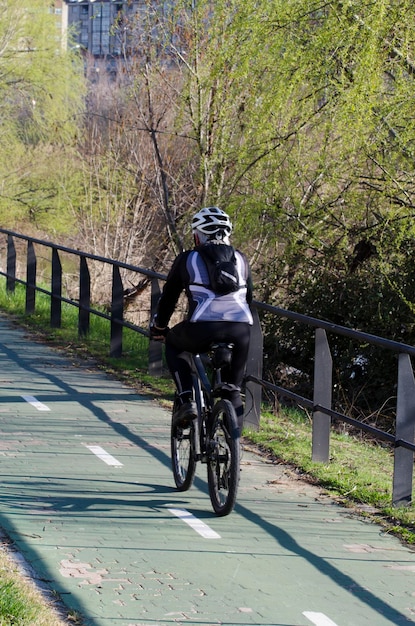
{"points": [[253, 391], [84, 297], [55, 301], [405, 429], [323, 373], [155, 348], [30, 279], [11, 264], [117, 313]]}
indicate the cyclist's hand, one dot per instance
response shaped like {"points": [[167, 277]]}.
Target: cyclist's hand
{"points": [[158, 334]]}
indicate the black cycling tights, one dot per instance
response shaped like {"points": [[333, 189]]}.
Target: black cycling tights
{"points": [[197, 337]]}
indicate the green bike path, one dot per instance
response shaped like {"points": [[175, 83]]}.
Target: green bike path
{"points": [[87, 496]]}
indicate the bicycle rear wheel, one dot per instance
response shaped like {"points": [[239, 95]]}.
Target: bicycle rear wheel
{"points": [[224, 458], [183, 455]]}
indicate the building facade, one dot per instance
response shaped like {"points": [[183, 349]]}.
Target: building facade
{"points": [[97, 27]]}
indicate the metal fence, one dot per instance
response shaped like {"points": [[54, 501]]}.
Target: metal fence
{"points": [[321, 403]]}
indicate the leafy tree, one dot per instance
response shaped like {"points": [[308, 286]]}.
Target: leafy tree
{"points": [[41, 99], [300, 112], [341, 198], [339, 150]]}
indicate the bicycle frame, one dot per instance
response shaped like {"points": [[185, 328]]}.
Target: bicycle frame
{"points": [[212, 438], [204, 402]]}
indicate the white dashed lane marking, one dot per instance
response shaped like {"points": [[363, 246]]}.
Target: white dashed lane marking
{"points": [[319, 619], [104, 456], [200, 527], [36, 403]]}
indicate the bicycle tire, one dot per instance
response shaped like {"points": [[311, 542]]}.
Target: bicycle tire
{"points": [[224, 458], [183, 455]]}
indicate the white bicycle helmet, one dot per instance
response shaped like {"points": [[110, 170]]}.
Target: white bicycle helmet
{"points": [[211, 221]]}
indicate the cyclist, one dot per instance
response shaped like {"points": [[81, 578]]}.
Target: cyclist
{"points": [[211, 316]]}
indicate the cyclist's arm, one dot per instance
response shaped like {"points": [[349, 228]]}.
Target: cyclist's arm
{"points": [[172, 289]]}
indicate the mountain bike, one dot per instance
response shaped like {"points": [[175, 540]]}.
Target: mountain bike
{"points": [[212, 438]]}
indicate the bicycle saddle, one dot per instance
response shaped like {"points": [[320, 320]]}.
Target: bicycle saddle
{"points": [[221, 354]]}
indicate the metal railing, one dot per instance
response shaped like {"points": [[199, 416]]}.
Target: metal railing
{"points": [[321, 403]]}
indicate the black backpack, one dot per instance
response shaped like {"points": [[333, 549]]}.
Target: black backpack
{"points": [[220, 261]]}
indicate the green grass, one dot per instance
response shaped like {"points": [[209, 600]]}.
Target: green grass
{"points": [[13, 605]]}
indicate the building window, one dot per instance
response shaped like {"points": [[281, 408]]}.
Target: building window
{"points": [[99, 24]]}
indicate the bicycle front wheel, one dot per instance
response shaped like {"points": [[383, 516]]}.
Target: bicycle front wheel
{"points": [[183, 455], [223, 458]]}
